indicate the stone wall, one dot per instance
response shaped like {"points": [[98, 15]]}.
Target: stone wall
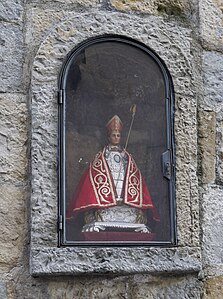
{"points": [[35, 36]]}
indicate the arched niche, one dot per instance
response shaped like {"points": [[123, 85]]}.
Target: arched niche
{"points": [[102, 77]]}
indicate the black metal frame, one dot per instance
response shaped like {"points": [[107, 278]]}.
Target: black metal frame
{"points": [[168, 157]]}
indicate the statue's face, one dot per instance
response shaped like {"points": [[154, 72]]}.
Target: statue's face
{"points": [[114, 138]]}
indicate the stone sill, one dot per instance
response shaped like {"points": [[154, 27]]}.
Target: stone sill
{"points": [[119, 261]]}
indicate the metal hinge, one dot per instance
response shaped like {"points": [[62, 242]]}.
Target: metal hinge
{"points": [[60, 96], [166, 165], [60, 222]]}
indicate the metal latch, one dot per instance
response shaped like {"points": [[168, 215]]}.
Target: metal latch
{"points": [[166, 165], [60, 96], [60, 222]]}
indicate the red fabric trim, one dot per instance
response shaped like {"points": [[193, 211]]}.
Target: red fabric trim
{"points": [[96, 188]]}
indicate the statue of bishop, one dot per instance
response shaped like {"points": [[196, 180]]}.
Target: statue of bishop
{"points": [[112, 193]]}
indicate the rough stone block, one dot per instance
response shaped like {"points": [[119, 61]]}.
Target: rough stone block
{"points": [[212, 224], [11, 57], [44, 152], [174, 288], [12, 223], [99, 288], [85, 3], [135, 5], [13, 137], [113, 260], [11, 10], [173, 7], [186, 168], [211, 25], [220, 150], [39, 21], [207, 143], [134, 287], [212, 76], [2, 290], [213, 288]]}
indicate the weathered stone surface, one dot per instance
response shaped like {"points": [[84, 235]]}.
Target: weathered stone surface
{"points": [[12, 223], [44, 144], [182, 287], [85, 3], [2, 290], [219, 150], [66, 261], [173, 7], [11, 57], [213, 95], [11, 10], [41, 19], [171, 43], [107, 287], [13, 137], [207, 144], [213, 288], [137, 5], [212, 225], [211, 24], [132, 287], [39, 22], [10, 289], [212, 76], [186, 167], [99, 288]]}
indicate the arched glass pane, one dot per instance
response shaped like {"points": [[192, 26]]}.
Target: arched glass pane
{"points": [[102, 79]]}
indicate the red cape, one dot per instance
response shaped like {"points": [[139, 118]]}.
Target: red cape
{"points": [[96, 188]]}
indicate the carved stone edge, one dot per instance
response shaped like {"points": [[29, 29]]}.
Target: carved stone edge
{"points": [[122, 261]]}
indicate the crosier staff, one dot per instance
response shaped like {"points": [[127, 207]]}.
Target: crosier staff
{"points": [[133, 110]]}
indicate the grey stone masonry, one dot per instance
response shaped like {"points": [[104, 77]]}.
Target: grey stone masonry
{"points": [[35, 37], [11, 57], [113, 260], [11, 10], [174, 47]]}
